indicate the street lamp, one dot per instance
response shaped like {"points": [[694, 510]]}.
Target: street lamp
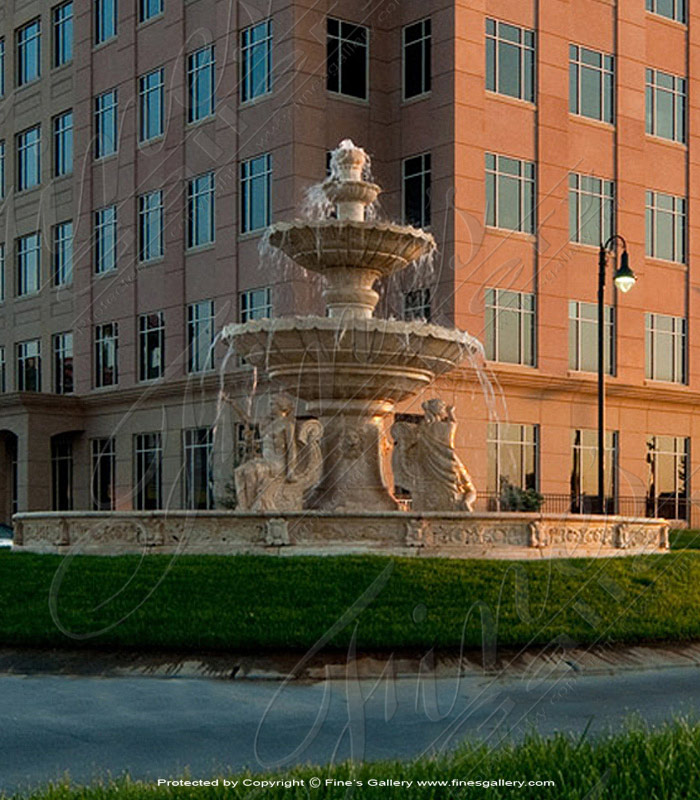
{"points": [[624, 279]]}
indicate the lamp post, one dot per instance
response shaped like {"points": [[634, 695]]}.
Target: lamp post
{"points": [[624, 279]]}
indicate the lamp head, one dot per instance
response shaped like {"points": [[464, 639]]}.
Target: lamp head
{"points": [[624, 278]]}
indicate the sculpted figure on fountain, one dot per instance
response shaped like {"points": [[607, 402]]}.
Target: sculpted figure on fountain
{"points": [[289, 465], [425, 462]]}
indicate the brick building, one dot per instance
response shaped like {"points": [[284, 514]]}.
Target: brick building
{"points": [[145, 145]]}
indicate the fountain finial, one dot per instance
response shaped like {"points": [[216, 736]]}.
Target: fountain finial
{"points": [[346, 187]]}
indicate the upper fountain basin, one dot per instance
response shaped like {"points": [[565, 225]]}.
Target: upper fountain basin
{"points": [[328, 361], [380, 247]]}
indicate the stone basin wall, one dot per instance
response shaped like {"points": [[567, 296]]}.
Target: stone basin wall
{"points": [[451, 535]]}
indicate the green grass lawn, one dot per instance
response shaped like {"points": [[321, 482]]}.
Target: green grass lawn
{"points": [[661, 765], [259, 603], [685, 540]]}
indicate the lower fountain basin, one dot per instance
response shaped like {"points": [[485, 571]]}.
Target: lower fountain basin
{"points": [[364, 360]]}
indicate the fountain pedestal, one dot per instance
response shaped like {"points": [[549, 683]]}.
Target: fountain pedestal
{"points": [[356, 474]]}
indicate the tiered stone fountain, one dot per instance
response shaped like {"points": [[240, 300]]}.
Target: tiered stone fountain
{"points": [[324, 483], [349, 368]]}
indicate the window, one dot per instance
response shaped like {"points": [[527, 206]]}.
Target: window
{"points": [[106, 354], [255, 304], [199, 478], [151, 346], [665, 105], [666, 224], [105, 240], [62, 34], [347, 58], [104, 470], [152, 105], [416, 304], [200, 336], [510, 326], [28, 158], [255, 193], [200, 210], [2, 66], [673, 9], [201, 67], [62, 473], [29, 52], [151, 226], [63, 253], [2, 272], [256, 60], [584, 472], [28, 264], [2, 170], [63, 144], [583, 337], [416, 190], [591, 83], [148, 452], [416, 59], [105, 20], [510, 193], [591, 205], [668, 458], [63, 363], [106, 124], [665, 348], [29, 366], [510, 60], [3, 371], [149, 9], [512, 455]]}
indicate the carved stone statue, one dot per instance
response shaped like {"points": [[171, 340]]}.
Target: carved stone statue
{"points": [[287, 468], [424, 461]]}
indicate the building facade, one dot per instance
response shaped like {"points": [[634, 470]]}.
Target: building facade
{"points": [[146, 144]]}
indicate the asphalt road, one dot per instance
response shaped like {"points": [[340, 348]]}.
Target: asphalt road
{"points": [[155, 728]]}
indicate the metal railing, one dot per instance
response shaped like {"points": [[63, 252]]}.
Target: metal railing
{"points": [[671, 508]]}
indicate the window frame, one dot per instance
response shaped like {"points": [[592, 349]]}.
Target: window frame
{"points": [[652, 89], [248, 55], [62, 144], [527, 83], [193, 211], [191, 445], [678, 213], [99, 13], [62, 362], [525, 184], [151, 328], [58, 26], [142, 449], [578, 65], [679, 345], [146, 93], [425, 175], [425, 45], [103, 116], [28, 158], [26, 284], [194, 72], [62, 268], [149, 216], [102, 265], [605, 194], [576, 321], [344, 40], [106, 345], [22, 357], [492, 302], [198, 318], [21, 69], [249, 183]]}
